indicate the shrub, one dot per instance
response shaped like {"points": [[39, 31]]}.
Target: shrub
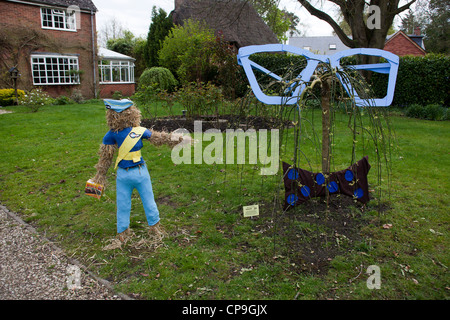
{"points": [[35, 99], [434, 112], [117, 95], [62, 100], [77, 96], [202, 99], [415, 111], [158, 78], [428, 112], [7, 96]]}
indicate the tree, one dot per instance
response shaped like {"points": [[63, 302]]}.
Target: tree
{"points": [[437, 32], [279, 21], [363, 33], [187, 52], [131, 46], [159, 29], [112, 29], [346, 28], [124, 44], [412, 20], [138, 53]]}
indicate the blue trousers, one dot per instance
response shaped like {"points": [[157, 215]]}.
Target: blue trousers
{"points": [[128, 180]]}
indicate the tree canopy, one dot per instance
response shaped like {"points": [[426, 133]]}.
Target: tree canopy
{"points": [[159, 28], [363, 34]]}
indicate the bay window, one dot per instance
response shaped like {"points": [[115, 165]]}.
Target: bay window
{"points": [[54, 69]]}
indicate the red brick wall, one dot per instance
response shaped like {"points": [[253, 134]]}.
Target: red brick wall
{"points": [[401, 46], [126, 89], [19, 18]]}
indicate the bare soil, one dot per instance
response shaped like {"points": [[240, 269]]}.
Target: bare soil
{"points": [[244, 122]]}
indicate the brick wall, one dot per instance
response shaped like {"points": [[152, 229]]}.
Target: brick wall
{"points": [[22, 21], [401, 45], [126, 89]]}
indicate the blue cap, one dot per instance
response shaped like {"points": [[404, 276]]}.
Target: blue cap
{"points": [[117, 105]]}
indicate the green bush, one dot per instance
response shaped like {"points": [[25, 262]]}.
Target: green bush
{"points": [[428, 112], [35, 99], [7, 96], [434, 112], [415, 111], [62, 100], [77, 96], [157, 78], [202, 99], [117, 95]]}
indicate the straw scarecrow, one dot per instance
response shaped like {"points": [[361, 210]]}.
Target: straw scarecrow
{"points": [[126, 134]]}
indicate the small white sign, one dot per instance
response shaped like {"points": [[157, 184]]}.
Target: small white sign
{"points": [[251, 211]]}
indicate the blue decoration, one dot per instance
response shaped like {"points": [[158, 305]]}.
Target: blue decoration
{"points": [[292, 199], [333, 187], [348, 175], [293, 174], [292, 93], [305, 191], [320, 179], [359, 193]]}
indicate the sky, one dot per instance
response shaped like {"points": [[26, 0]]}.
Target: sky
{"points": [[135, 15]]}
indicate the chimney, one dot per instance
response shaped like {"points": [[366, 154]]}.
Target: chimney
{"points": [[417, 31]]}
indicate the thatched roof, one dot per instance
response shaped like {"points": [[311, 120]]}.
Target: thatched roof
{"points": [[237, 20]]}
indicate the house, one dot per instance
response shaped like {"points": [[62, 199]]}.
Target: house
{"points": [[236, 20], [116, 73], [399, 43], [319, 44], [52, 43], [402, 44]]}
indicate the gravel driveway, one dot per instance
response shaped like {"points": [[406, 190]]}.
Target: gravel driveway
{"points": [[32, 268]]}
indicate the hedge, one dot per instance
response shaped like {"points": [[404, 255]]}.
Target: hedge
{"points": [[7, 96], [422, 80]]}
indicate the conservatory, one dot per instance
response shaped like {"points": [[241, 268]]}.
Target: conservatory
{"points": [[116, 74]]}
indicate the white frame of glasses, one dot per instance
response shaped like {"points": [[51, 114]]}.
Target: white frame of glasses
{"points": [[390, 68]]}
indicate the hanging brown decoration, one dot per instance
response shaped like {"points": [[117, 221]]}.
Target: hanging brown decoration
{"points": [[301, 185]]}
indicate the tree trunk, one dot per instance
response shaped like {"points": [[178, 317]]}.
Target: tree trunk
{"points": [[326, 126]]}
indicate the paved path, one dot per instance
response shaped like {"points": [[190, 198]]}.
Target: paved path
{"points": [[33, 268]]}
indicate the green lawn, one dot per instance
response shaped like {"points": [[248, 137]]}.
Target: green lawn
{"points": [[212, 251]]}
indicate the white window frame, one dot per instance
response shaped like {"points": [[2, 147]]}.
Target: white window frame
{"points": [[116, 71], [58, 19], [54, 69]]}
